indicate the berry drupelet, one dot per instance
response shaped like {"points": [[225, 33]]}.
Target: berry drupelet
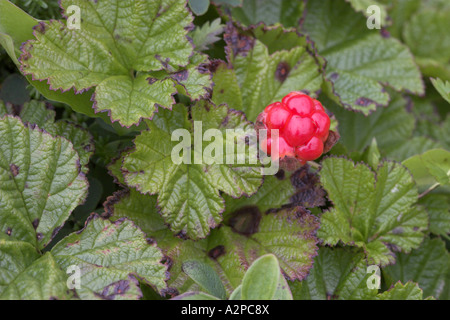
{"points": [[303, 126]]}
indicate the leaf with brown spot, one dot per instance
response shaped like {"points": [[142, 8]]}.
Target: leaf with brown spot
{"points": [[359, 61], [226, 251], [111, 257], [47, 187], [115, 54], [41, 114]]}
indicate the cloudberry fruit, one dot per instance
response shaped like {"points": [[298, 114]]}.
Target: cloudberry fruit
{"points": [[302, 123]]}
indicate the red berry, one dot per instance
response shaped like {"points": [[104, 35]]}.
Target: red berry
{"points": [[277, 116], [310, 151], [318, 105], [284, 149], [303, 127], [322, 122], [266, 146], [300, 104], [270, 106], [299, 130]]}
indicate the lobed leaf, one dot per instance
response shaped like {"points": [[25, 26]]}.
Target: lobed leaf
{"points": [[442, 87], [288, 234], [37, 113], [409, 291], [433, 165], [425, 34], [427, 265], [25, 275], [338, 274], [111, 257], [207, 34], [41, 184], [438, 208], [378, 215], [188, 193], [393, 127], [358, 60], [115, 55]]}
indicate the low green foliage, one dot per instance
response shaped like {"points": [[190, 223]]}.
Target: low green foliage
{"points": [[115, 183]]}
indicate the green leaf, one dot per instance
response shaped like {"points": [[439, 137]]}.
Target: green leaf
{"points": [[195, 80], [130, 100], [115, 55], [33, 112], [199, 7], [205, 276], [261, 279], [27, 276], [433, 165], [270, 12], [42, 183], [446, 291], [442, 87], [233, 3], [207, 34], [425, 33], [110, 257], [400, 12], [363, 5], [359, 60], [438, 208], [16, 27], [409, 291], [36, 113], [8, 44], [372, 155], [414, 146], [236, 294], [273, 193], [262, 77], [288, 234], [377, 215], [188, 193], [283, 291], [338, 273], [392, 127], [226, 87], [143, 211], [426, 265]]}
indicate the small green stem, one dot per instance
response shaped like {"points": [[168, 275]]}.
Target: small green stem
{"points": [[434, 186], [314, 165]]}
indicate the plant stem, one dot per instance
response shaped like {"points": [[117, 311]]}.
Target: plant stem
{"points": [[314, 165], [434, 186]]}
